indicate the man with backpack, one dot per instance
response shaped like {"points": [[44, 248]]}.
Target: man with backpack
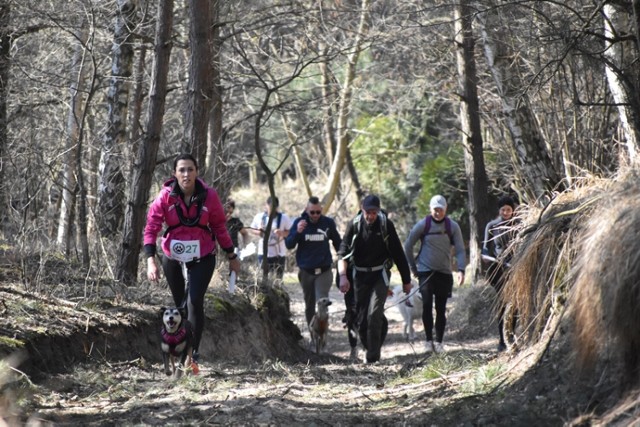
{"points": [[437, 233], [371, 245], [280, 227]]}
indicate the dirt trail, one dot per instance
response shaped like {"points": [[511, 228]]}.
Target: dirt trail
{"points": [[395, 345], [407, 386]]}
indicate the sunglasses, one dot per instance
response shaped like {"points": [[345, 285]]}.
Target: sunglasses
{"points": [[315, 212]]}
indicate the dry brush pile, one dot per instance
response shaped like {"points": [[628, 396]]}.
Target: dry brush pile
{"points": [[575, 263]]}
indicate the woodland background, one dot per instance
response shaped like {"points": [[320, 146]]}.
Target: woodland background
{"points": [[404, 99], [401, 98]]}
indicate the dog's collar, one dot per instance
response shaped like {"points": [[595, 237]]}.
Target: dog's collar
{"points": [[175, 338]]}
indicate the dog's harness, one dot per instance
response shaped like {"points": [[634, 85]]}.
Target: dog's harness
{"points": [[173, 340], [323, 325]]}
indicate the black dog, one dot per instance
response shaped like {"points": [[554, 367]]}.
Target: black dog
{"points": [[176, 341]]}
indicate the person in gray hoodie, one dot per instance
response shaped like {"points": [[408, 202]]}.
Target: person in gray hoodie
{"points": [[437, 233]]}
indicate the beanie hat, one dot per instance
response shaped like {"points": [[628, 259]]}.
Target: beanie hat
{"points": [[371, 202], [506, 200]]}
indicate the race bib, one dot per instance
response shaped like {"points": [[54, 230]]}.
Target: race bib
{"points": [[185, 250]]}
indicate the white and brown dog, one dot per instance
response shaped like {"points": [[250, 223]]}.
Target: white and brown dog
{"points": [[176, 341], [410, 307], [319, 325]]}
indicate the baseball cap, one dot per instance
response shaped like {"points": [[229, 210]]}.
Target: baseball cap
{"points": [[438, 202], [371, 202]]}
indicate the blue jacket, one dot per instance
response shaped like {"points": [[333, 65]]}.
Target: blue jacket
{"points": [[313, 243]]}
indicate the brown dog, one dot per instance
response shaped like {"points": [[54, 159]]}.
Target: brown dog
{"points": [[319, 325]]}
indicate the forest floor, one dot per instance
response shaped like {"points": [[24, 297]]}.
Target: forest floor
{"points": [[470, 384]]}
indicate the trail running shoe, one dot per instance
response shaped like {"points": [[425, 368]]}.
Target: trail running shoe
{"points": [[195, 369], [353, 356], [428, 346]]}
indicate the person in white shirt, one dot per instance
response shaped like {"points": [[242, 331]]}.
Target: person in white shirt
{"points": [[276, 250]]}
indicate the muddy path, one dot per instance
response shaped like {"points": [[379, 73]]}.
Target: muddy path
{"points": [[469, 384]]}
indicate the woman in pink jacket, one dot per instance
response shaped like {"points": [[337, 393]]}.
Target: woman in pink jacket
{"points": [[195, 220]]}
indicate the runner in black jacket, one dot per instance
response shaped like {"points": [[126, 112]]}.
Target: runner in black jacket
{"points": [[372, 245]]}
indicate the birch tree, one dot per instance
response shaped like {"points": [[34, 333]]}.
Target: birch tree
{"points": [[345, 107], [111, 186], [534, 168], [621, 76], [5, 62], [75, 116]]}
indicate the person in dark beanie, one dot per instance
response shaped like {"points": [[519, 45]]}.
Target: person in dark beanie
{"points": [[371, 244], [498, 234]]}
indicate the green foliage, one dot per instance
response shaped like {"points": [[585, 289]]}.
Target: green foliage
{"points": [[444, 174], [380, 157], [218, 305], [484, 380], [387, 150], [444, 364], [11, 343]]}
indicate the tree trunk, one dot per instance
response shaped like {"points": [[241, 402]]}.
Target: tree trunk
{"points": [[353, 173], [297, 154], [624, 94], [138, 97], [5, 64], [199, 91], [217, 153], [344, 109], [471, 135], [532, 161], [110, 190], [135, 215], [328, 101], [83, 214], [270, 183], [74, 120]]}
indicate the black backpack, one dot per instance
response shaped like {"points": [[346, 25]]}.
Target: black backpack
{"points": [[357, 220]]}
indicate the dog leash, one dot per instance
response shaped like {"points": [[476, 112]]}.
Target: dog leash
{"points": [[410, 294], [185, 274]]}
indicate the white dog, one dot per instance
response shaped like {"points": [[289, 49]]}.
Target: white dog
{"points": [[410, 306], [319, 326]]}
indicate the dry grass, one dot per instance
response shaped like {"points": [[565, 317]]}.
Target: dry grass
{"points": [[607, 287], [543, 254], [580, 255]]}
